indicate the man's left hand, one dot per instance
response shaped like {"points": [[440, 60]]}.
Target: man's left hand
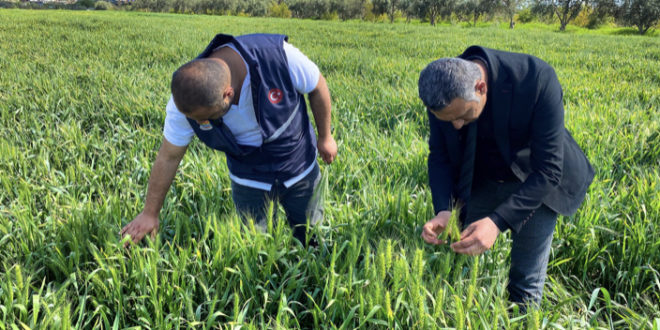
{"points": [[477, 237], [327, 148]]}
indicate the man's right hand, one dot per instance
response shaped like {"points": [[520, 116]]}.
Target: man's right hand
{"points": [[435, 227], [139, 227], [162, 174], [327, 148]]}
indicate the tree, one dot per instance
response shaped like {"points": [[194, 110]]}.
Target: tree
{"points": [[85, 3], [309, 8], [152, 5], [643, 14], [254, 7], [510, 8], [566, 10], [386, 7], [181, 6], [347, 9], [280, 10], [409, 8], [435, 8], [473, 9], [601, 10]]}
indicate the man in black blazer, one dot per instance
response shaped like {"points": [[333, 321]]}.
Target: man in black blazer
{"points": [[500, 151]]}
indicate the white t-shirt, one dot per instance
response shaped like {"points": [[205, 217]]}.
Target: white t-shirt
{"points": [[241, 119]]}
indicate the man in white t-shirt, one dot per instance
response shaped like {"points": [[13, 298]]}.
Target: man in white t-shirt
{"points": [[245, 96]]}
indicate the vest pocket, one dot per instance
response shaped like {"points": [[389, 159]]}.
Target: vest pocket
{"points": [[220, 138]]}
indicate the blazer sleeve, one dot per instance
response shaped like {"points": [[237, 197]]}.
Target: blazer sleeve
{"points": [[546, 153], [439, 167]]}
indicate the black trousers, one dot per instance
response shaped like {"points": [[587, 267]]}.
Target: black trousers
{"points": [[531, 245]]}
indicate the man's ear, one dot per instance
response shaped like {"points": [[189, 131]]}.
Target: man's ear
{"points": [[481, 87], [228, 95]]}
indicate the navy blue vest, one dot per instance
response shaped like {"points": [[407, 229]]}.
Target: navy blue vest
{"points": [[289, 141]]}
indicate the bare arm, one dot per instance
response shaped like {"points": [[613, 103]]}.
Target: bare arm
{"points": [[319, 99], [162, 174]]}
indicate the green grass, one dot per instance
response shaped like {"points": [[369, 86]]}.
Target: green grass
{"points": [[82, 98]]}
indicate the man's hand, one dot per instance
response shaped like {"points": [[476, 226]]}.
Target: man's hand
{"points": [[435, 227], [319, 100], [162, 174], [327, 148], [477, 237], [140, 226]]}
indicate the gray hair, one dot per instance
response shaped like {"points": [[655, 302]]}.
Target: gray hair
{"points": [[445, 79]]}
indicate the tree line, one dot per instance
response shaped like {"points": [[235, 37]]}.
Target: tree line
{"points": [[642, 14]]}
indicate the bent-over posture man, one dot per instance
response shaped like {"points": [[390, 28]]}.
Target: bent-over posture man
{"points": [[244, 96], [498, 146]]}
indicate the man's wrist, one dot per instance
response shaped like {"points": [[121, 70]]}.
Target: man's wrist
{"points": [[499, 222], [148, 211], [437, 214]]}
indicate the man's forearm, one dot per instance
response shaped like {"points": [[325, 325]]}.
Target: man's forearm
{"points": [[319, 100], [162, 174]]}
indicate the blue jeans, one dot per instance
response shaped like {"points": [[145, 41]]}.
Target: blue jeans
{"points": [[531, 245], [300, 202]]}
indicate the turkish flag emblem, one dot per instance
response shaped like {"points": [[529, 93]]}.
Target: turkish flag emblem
{"points": [[275, 96]]}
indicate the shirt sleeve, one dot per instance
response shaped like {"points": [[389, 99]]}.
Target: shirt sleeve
{"points": [[304, 73], [176, 130], [499, 222]]}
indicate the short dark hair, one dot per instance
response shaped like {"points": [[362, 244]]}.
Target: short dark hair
{"points": [[445, 79], [199, 83]]}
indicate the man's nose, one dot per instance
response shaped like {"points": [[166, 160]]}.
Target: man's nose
{"points": [[458, 123]]}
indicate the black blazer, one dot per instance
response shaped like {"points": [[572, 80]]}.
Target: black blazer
{"points": [[528, 121]]}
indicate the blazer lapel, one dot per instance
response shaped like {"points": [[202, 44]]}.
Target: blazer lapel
{"points": [[466, 171], [501, 95], [452, 143], [501, 107]]}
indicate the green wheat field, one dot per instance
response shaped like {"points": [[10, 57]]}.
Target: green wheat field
{"points": [[82, 99]]}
